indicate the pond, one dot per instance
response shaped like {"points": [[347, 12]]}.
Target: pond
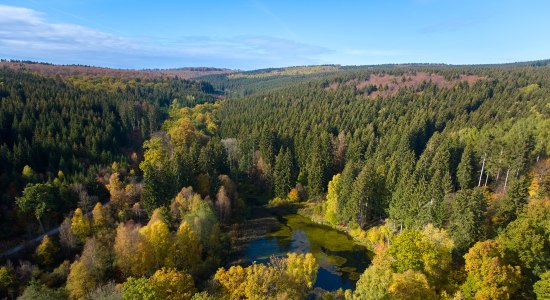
{"points": [[341, 260]]}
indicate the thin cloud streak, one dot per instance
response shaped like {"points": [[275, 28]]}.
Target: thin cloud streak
{"points": [[25, 33], [262, 8]]}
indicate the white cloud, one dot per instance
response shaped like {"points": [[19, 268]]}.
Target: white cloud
{"points": [[27, 29], [27, 34]]}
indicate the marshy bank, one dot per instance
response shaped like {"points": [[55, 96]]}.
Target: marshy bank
{"points": [[274, 232]]}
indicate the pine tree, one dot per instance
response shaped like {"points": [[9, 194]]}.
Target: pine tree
{"points": [[367, 199], [267, 146], [467, 217], [343, 215], [319, 168], [315, 176], [514, 200], [159, 185], [282, 173], [466, 174]]}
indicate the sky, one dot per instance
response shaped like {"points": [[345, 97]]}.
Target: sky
{"points": [[253, 34]]}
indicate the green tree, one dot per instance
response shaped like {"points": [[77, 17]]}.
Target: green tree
{"points": [[319, 166], [36, 290], [466, 172], [282, 173], [159, 186], [344, 215], [468, 210], [427, 251], [527, 238], [139, 288], [542, 287], [513, 202], [367, 198], [375, 281], [414, 262], [39, 200], [315, 174], [267, 146]]}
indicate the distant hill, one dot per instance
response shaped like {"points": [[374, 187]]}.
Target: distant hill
{"points": [[243, 83], [191, 72], [82, 70]]}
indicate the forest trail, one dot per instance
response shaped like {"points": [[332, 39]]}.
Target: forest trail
{"points": [[32, 242]]}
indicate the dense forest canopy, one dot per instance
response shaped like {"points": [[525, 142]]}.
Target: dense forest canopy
{"points": [[70, 128], [442, 171]]}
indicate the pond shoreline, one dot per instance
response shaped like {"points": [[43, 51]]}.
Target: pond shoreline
{"points": [[306, 209], [275, 231]]}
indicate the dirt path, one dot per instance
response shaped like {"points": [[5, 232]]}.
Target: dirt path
{"points": [[28, 243], [33, 242]]}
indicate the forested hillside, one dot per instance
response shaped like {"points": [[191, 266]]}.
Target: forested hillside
{"points": [[442, 172], [453, 149], [81, 70], [69, 129]]}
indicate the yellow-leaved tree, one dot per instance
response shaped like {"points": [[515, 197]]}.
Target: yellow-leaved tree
{"points": [[133, 257], [80, 225], [186, 249], [410, 285], [283, 278], [47, 251], [332, 200], [158, 237], [489, 275], [413, 260], [100, 216], [170, 284]]}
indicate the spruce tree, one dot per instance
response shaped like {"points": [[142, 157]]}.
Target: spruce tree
{"points": [[282, 173], [466, 174], [343, 215]]}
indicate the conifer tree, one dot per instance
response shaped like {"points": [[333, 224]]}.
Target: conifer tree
{"points": [[282, 173], [466, 169]]}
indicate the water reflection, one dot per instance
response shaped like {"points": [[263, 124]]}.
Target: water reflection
{"points": [[341, 260]]}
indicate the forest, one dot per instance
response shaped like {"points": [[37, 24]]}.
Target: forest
{"points": [[149, 187]]}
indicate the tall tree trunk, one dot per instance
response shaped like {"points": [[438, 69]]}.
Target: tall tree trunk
{"points": [[486, 178], [482, 168], [506, 181], [499, 168]]}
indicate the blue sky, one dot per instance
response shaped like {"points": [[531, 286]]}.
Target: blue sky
{"points": [[254, 34]]}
